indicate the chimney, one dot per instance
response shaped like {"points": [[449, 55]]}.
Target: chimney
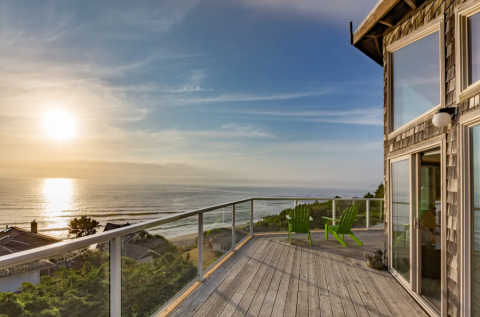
{"points": [[34, 227]]}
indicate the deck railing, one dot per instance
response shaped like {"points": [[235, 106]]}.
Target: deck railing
{"points": [[133, 287]]}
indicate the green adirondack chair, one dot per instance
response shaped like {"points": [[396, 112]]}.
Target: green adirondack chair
{"points": [[300, 223], [344, 226]]}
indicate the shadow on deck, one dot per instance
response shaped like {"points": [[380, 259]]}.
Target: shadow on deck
{"points": [[269, 277]]}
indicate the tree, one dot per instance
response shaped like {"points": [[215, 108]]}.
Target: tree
{"points": [[82, 227], [379, 192]]}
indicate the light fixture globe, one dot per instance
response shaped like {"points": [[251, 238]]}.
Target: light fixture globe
{"points": [[444, 116], [442, 119]]}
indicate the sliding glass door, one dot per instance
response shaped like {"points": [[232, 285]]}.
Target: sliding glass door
{"points": [[416, 224], [400, 234], [475, 219], [429, 233]]}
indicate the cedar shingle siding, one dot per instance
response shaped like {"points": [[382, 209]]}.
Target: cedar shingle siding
{"points": [[425, 130]]}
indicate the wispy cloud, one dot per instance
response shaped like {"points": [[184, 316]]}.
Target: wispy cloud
{"points": [[333, 11], [367, 116], [249, 97], [156, 16], [234, 130], [324, 146]]}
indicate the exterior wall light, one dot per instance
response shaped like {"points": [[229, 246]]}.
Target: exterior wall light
{"points": [[444, 117]]}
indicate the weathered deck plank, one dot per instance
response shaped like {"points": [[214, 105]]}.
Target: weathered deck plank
{"points": [[259, 297], [249, 295], [268, 277], [281, 298], [272, 291], [214, 278]]}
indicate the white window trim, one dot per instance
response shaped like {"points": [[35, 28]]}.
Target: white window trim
{"points": [[436, 25], [466, 123], [401, 279], [463, 12]]}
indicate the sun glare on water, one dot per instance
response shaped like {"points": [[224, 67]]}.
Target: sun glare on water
{"points": [[57, 193], [59, 125]]}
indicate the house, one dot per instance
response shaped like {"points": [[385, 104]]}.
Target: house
{"points": [[140, 246], [430, 53], [221, 239], [14, 239]]}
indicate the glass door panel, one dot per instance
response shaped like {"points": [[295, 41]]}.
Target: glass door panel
{"points": [[475, 190], [401, 218], [430, 227]]}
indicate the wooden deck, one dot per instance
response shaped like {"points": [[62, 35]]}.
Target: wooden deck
{"points": [[269, 277]]}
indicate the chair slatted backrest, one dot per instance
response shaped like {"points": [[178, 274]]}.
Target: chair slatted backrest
{"points": [[347, 220], [301, 222]]}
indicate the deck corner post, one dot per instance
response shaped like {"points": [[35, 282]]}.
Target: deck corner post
{"points": [[367, 225], [116, 276], [200, 247], [251, 217], [334, 211], [233, 228]]}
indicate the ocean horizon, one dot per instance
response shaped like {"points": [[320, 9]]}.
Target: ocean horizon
{"points": [[53, 202]]}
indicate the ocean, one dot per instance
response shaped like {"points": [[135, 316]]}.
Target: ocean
{"points": [[53, 202]]}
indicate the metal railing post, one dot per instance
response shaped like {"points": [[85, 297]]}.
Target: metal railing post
{"points": [[334, 211], [296, 204], [233, 228], [200, 247], [368, 214], [116, 277], [251, 217]]}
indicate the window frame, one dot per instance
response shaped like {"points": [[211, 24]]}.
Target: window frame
{"points": [[436, 25], [467, 122], [462, 13]]}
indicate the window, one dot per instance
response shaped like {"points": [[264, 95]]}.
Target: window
{"points": [[474, 48], [468, 43], [416, 65], [416, 79]]}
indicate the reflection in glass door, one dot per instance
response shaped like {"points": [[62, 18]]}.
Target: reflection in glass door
{"points": [[475, 217], [400, 180], [430, 227]]}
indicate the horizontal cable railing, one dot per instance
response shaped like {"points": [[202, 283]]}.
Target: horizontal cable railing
{"points": [[133, 252]]}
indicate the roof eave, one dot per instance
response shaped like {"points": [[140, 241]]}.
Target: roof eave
{"points": [[368, 37]]}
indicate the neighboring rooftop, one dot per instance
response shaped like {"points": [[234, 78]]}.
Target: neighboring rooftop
{"points": [[15, 239], [386, 13]]}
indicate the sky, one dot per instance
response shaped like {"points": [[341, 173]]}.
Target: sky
{"points": [[245, 92]]}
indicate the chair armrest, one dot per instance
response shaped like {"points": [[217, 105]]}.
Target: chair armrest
{"points": [[310, 218], [326, 218], [288, 217]]}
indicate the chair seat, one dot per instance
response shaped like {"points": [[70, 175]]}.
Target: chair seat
{"points": [[334, 228]]}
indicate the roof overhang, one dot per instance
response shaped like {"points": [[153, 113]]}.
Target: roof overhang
{"points": [[386, 13]]}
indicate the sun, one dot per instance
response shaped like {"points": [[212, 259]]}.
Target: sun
{"points": [[59, 125]]}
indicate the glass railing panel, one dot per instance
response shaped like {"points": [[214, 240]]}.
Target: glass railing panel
{"points": [[361, 220], [242, 221], [217, 234], [318, 210], [341, 205], [77, 281], [377, 214], [157, 264], [270, 215]]}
